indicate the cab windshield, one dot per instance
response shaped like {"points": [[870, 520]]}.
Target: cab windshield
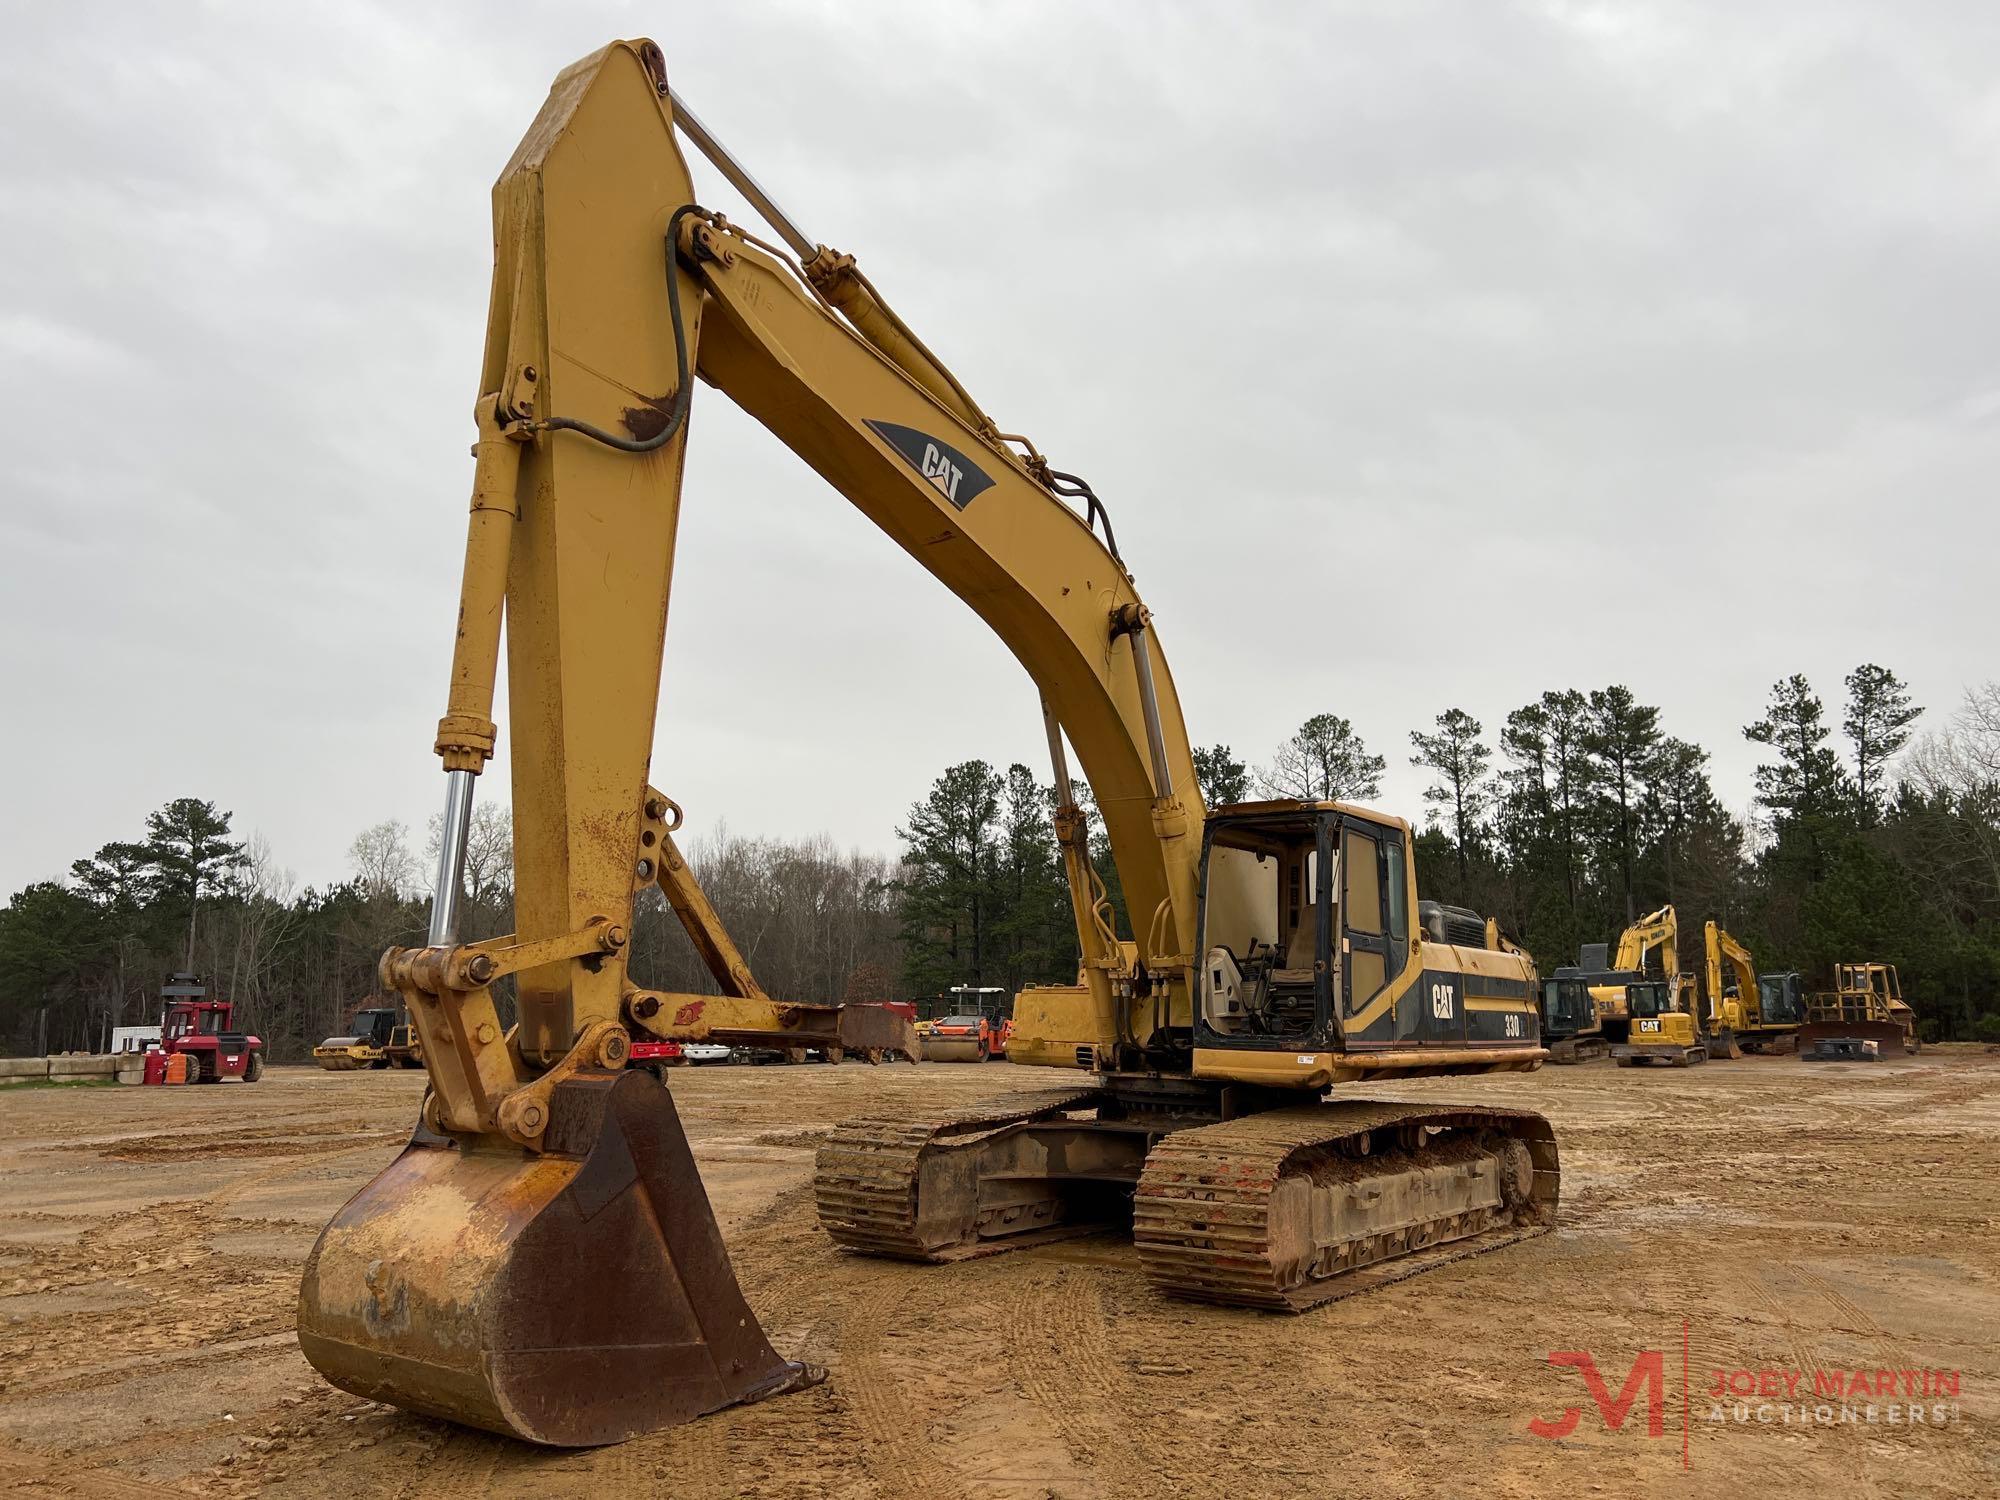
{"points": [[1565, 1003], [1777, 998], [1647, 999]]}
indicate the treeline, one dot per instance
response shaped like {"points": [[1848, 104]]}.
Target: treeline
{"points": [[1579, 811], [80, 956], [1583, 810]]}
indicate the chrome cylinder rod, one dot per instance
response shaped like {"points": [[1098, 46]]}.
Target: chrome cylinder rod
{"points": [[1065, 796], [1149, 704], [803, 245], [451, 858]]}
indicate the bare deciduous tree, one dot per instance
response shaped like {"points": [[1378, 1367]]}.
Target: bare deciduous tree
{"points": [[380, 857]]}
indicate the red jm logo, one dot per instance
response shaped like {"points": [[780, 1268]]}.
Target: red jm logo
{"points": [[1648, 1370]]}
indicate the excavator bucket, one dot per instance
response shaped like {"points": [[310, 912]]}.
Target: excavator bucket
{"points": [[572, 1298]]}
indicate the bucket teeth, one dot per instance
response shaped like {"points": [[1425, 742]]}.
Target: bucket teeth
{"points": [[574, 1297]]}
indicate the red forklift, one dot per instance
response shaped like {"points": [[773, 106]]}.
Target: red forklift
{"points": [[198, 1029]]}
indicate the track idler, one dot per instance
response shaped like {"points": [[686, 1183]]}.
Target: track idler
{"points": [[572, 1297]]}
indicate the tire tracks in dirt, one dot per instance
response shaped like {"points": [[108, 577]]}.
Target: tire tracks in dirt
{"points": [[1800, 1350], [891, 1418], [27, 1474], [1059, 1354]]}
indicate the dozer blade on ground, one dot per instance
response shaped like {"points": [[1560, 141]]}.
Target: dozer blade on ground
{"points": [[572, 1298], [1820, 1041]]}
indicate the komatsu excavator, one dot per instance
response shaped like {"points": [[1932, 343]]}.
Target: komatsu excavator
{"points": [[541, 1259]]}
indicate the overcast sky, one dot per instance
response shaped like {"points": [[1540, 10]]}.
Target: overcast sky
{"points": [[1425, 354]]}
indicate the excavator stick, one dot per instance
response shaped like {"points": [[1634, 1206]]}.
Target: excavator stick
{"points": [[574, 1297]]}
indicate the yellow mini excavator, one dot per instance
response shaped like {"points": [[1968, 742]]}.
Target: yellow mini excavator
{"points": [[541, 1259], [1747, 1011], [1660, 1031]]}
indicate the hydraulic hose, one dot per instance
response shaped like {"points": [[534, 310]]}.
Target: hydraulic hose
{"points": [[683, 386]]}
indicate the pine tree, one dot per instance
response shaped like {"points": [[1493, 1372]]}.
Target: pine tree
{"points": [[1805, 781], [1325, 761], [1224, 779], [948, 860], [1681, 800], [1573, 781], [1460, 757], [1879, 716], [1622, 738], [188, 854], [1032, 921]]}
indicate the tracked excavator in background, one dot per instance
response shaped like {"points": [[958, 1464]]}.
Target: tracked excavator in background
{"points": [[1748, 1011], [1647, 950], [541, 1259]]}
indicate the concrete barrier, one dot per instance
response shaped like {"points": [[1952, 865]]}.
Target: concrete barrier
{"points": [[21, 1069], [105, 1066]]}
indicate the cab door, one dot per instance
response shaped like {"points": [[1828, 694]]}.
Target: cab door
{"points": [[1374, 925]]}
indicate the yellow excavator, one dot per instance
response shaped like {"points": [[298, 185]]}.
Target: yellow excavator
{"points": [[1648, 949], [541, 1259], [1748, 1011], [1661, 1031]]}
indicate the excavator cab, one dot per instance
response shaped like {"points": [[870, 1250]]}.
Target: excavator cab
{"points": [[1571, 1029], [1305, 920], [1648, 1000], [1266, 929], [1781, 999], [1566, 1003], [1662, 1030]]}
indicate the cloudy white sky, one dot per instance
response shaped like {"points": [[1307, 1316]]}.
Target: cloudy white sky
{"points": [[1426, 354]]}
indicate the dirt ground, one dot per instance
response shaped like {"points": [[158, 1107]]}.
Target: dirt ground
{"points": [[1796, 1217]]}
